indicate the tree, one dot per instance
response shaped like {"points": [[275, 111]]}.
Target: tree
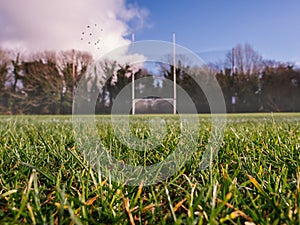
{"points": [[246, 60], [41, 87], [280, 87], [4, 62], [72, 66]]}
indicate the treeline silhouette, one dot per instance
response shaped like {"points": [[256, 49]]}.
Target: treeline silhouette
{"points": [[44, 82]]}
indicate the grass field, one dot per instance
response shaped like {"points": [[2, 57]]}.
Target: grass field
{"points": [[254, 179]]}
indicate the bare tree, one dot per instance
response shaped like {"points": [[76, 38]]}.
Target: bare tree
{"points": [[4, 62], [246, 60], [71, 66]]}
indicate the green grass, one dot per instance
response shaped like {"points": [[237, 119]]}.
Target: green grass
{"points": [[44, 178]]}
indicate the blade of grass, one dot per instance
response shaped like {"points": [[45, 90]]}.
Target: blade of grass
{"points": [[25, 197]]}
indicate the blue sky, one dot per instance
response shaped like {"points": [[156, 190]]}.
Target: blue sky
{"points": [[271, 27]]}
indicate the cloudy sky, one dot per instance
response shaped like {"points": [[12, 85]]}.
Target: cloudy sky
{"points": [[271, 27], [92, 25]]}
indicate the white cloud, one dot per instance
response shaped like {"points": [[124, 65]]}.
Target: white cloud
{"points": [[59, 24], [297, 62]]}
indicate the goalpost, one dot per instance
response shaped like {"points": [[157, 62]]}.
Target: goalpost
{"points": [[132, 77], [174, 74], [134, 100]]}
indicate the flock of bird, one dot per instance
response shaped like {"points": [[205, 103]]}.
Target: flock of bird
{"points": [[91, 35]]}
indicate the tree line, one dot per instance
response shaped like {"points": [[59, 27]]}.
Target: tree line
{"points": [[45, 82]]}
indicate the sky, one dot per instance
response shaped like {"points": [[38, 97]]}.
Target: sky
{"points": [[271, 27], [214, 27], [97, 26]]}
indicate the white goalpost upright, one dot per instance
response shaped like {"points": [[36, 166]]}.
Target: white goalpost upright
{"points": [[132, 77], [174, 78], [174, 74]]}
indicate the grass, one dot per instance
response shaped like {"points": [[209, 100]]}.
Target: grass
{"points": [[255, 178]]}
